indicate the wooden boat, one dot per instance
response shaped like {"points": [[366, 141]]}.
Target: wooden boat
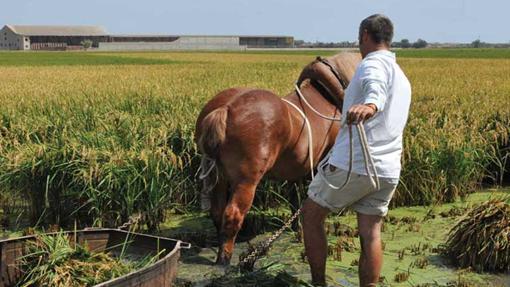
{"points": [[161, 273]]}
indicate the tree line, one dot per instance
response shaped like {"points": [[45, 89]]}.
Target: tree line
{"points": [[404, 43]]}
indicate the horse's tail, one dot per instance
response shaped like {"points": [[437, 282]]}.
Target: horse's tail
{"points": [[212, 135], [213, 131]]}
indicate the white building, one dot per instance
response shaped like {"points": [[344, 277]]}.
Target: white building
{"points": [[10, 40], [28, 37]]}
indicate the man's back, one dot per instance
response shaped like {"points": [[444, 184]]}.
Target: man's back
{"points": [[379, 81]]}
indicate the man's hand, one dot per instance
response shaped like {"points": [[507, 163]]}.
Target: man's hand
{"points": [[360, 113]]}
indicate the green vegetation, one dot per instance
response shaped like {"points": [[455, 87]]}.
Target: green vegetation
{"points": [[53, 260], [86, 44], [444, 53], [412, 240], [99, 144], [456, 53], [37, 59]]}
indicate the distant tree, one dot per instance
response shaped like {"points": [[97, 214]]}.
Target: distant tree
{"points": [[479, 44], [86, 44], [420, 43], [404, 43]]}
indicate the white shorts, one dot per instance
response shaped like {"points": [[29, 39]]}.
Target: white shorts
{"points": [[358, 194]]}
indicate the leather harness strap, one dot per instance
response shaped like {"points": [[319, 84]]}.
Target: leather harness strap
{"points": [[326, 93], [334, 71]]}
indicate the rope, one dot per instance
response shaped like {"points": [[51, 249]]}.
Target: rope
{"points": [[248, 261], [310, 137], [349, 171], [374, 179], [311, 107], [372, 174], [364, 147], [206, 161], [207, 165], [133, 220]]}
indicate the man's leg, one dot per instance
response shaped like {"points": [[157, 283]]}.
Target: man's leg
{"points": [[371, 257], [316, 245]]}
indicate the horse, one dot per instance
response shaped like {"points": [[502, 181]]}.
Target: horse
{"points": [[247, 134]]}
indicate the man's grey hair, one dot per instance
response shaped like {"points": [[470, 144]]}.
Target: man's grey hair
{"points": [[379, 27]]}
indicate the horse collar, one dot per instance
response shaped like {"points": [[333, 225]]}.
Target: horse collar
{"points": [[334, 71]]}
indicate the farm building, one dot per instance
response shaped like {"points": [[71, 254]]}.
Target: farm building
{"points": [[198, 42], [21, 37], [166, 42], [28, 37]]}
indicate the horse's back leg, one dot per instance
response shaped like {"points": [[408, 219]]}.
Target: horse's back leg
{"points": [[244, 175], [233, 217], [219, 199]]}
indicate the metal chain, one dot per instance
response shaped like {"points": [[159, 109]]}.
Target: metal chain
{"points": [[256, 253], [259, 250], [133, 219]]}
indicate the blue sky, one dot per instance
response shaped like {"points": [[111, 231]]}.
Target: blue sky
{"points": [[328, 20]]}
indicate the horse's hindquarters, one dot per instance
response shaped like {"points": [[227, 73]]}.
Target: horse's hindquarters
{"points": [[243, 131]]}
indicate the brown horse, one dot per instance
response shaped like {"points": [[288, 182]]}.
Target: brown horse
{"points": [[247, 134]]}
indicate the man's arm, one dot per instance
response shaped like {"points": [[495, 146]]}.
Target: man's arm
{"points": [[374, 79]]}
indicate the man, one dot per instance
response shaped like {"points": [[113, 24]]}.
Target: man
{"points": [[378, 96]]}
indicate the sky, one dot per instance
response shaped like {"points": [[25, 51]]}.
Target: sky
{"points": [[461, 21]]}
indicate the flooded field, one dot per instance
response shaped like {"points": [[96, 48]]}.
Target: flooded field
{"points": [[412, 237]]}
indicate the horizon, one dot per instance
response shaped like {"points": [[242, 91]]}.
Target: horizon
{"points": [[457, 22]]}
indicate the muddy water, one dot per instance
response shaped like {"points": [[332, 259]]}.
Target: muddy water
{"points": [[411, 237]]}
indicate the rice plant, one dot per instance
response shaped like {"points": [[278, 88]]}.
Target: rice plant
{"points": [[98, 141], [54, 260], [481, 238]]}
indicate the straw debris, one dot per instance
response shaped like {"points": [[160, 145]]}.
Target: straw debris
{"points": [[481, 238], [53, 260]]}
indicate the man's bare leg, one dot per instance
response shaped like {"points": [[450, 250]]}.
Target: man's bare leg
{"points": [[316, 245], [371, 257]]}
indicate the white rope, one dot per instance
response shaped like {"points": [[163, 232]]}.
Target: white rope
{"points": [[312, 108], [258, 251], [349, 171], [203, 173], [372, 175], [207, 165], [368, 157], [309, 129]]}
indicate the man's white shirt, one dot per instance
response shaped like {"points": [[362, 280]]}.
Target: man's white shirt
{"points": [[380, 81]]}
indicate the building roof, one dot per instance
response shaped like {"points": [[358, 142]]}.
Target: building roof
{"points": [[205, 36], [39, 30], [65, 30]]}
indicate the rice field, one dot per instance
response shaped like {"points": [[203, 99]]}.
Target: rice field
{"points": [[93, 138], [96, 137]]}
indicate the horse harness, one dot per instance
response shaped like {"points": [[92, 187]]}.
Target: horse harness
{"points": [[247, 263], [333, 70], [322, 88]]}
